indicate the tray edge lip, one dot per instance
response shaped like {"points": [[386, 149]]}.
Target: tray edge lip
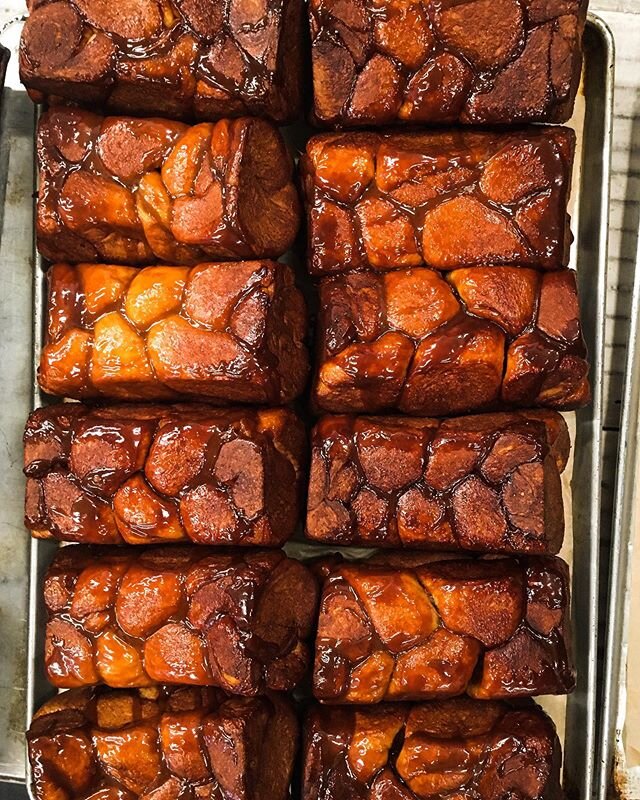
{"points": [[622, 542]]}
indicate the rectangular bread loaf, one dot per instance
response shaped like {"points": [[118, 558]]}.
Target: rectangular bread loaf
{"points": [[162, 744], [488, 482], [122, 190], [208, 617], [415, 627], [154, 474], [458, 748], [200, 59], [422, 342], [479, 62], [446, 199], [222, 332]]}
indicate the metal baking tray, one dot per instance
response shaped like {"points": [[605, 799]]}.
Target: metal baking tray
{"points": [[618, 775], [590, 219]]}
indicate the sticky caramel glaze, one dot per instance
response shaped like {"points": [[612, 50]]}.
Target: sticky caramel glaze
{"points": [[420, 627], [162, 744], [489, 483], [133, 618], [448, 200], [153, 474], [482, 62], [427, 343], [188, 59], [224, 332], [450, 749], [138, 191]]}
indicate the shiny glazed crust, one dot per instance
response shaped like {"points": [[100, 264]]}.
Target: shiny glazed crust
{"points": [[209, 617], [482, 62], [445, 199], [162, 744], [190, 58], [153, 474], [421, 628], [138, 191], [225, 333], [454, 749], [426, 343], [489, 483]]}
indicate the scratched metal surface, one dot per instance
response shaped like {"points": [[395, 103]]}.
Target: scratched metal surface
{"points": [[620, 734], [16, 186]]}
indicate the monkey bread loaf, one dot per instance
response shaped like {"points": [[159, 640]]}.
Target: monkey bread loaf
{"points": [[188, 58], [138, 191], [162, 743], [433, 344], [154, 474], [450, 749], [489, 482], [209, 617], [224, 332], [483, 62], [445, 199], [415, 627]]}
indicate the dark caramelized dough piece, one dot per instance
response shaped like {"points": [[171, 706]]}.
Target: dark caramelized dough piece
{"points": [[427, 343], [194, 58], [154, 474], [449, 748], [433, 627], [138, 191], [133, 618], [488, 483], [479, 62], [223, 332], [447, 200], [153, 743]]}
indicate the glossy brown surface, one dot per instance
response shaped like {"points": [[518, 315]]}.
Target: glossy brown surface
{"points": [[450, 199], [162, 744], [449, 750], [153, 474], [421, 628], [189, 58], [237, 619], [138, 191], [377, 62], [489, 483], [477, 339], [224, 333]]}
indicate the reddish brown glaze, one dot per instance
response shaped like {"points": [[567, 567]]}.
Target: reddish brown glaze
{"points": [[137, 191], [488, 483], [473, 339], [423, 628], [185, 59], [208, 617], [162, 744], [225, 333], [451, 749], [153, 474], [448, 200], [482, 62]]}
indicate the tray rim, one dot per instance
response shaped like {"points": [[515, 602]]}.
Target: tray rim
{"points": [[583, 779], [582, 782], [622, 544]]}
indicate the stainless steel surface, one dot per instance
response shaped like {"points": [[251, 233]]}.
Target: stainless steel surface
{"points": [[615, 675], [592, 236], [16, 186], [590, 215]]}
